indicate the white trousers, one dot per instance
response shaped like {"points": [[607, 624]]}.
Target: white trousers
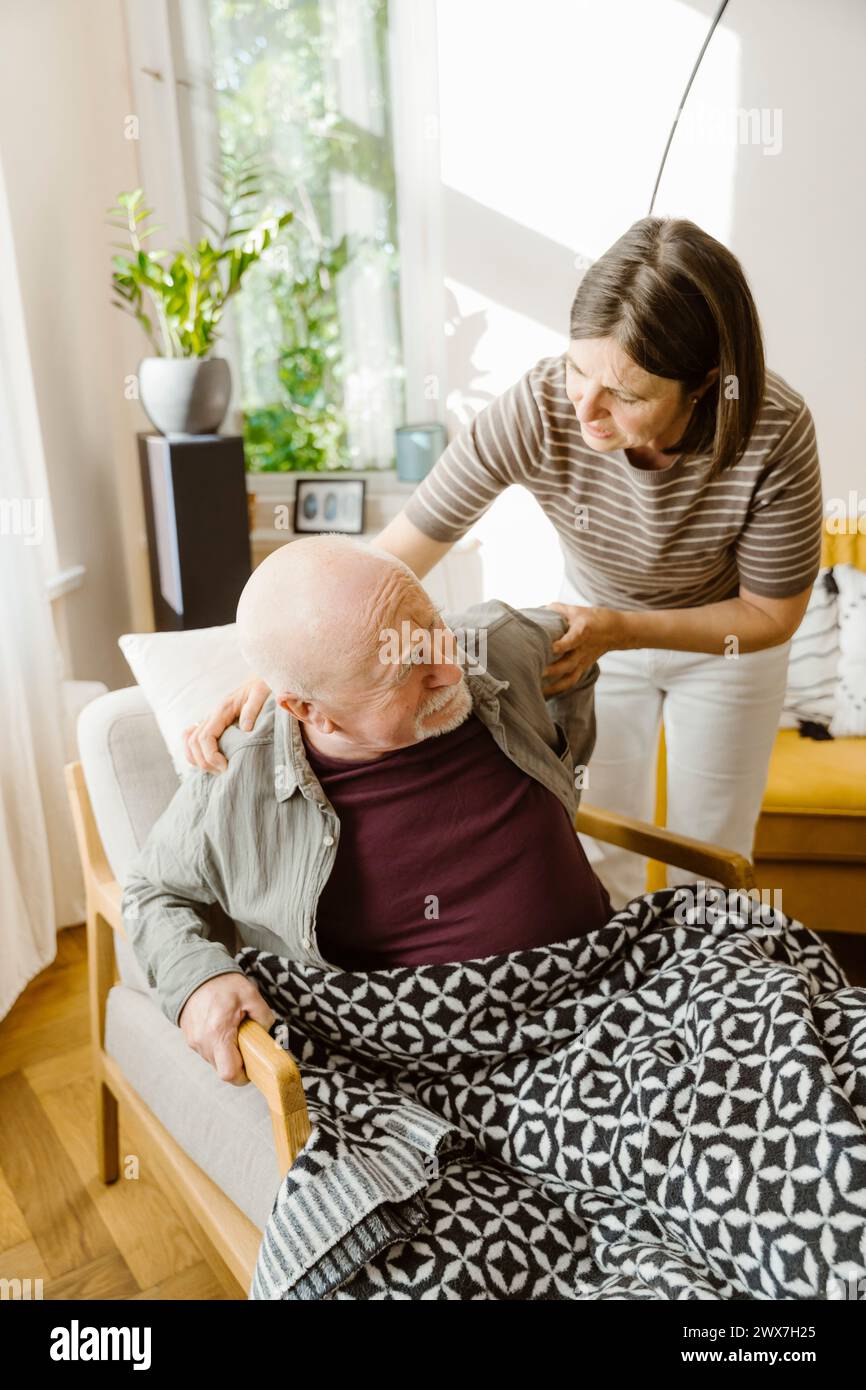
{"points": [[721, 716]]}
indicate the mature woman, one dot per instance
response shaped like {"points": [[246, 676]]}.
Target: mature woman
{"points": [[682, 477]]}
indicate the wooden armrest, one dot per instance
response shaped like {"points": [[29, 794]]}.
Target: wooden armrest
{"points": [[271, 1069], [277, 1075], [723, 866]]}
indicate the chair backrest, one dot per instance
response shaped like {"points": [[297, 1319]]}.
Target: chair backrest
{"points": [[130, 781]]}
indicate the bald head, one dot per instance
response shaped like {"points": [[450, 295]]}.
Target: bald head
{"points": [[310, 615]]}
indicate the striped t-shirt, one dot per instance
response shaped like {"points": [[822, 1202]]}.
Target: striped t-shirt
{"points": [[640, 537]]}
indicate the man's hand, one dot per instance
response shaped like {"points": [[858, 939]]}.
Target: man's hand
{"points": [[210, 1019]]}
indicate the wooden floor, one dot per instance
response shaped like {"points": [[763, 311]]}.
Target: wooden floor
{"points": [[58, 1222]]}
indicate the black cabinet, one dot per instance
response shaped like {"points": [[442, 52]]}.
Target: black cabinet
{"points": [[195, 503]]}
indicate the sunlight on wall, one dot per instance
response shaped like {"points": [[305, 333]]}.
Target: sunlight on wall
{"points": [[549, 145], [520, 552], [562, 125], [704, 151]]}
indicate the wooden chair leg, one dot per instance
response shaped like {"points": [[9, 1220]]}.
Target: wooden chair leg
{"points": [[101, 971], [107, 1133]]}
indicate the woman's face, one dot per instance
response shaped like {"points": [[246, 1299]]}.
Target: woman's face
{"points": [[618, 404]]}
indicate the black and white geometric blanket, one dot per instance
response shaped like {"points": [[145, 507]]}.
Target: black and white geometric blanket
{"points": [[673, 1107]]}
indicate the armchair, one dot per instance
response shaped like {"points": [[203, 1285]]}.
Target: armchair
{"points": [[212, 1139]]}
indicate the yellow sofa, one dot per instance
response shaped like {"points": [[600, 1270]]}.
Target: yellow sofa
{"points": [[810, 840], [811, 836]]}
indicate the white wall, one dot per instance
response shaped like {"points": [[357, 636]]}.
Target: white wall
{"points": [[553, 120], [64, 93], [796, 218]]}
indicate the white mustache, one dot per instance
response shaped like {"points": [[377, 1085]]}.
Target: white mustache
{"points": [[436, 701], [460, 700]]}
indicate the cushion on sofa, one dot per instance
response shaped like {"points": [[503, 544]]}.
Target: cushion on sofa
{"points": [[183, 675], [808, 778], [814, 658], [814, 807], [849, 717]]}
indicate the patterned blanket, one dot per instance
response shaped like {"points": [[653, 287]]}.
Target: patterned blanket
{"points": [[673, 1107]]}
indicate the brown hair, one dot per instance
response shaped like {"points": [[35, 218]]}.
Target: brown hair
{"points": [[678, 303]]}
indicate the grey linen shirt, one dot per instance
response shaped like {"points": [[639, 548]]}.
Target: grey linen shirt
{"points": [[240, 858]]}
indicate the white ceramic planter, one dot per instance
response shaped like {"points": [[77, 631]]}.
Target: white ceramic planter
{"points": [[185, 395]]}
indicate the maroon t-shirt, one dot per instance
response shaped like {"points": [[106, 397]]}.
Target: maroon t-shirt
{"points": [[449, 852]]}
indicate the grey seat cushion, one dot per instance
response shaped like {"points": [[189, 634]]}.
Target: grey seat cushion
{"points": [[225, 1129]]}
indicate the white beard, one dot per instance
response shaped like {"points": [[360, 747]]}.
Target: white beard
{"points": [[461, 699]]}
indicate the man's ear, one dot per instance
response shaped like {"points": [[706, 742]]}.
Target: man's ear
{"points": [[293, 704], [307, 711]]}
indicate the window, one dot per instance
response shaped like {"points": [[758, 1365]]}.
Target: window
{"points": [[302, 86]]}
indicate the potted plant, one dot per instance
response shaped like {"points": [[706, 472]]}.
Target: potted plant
{"points": [[179, 301]]}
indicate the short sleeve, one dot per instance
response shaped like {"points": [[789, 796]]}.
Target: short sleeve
{"points": [[501, 446], [779, 548]]}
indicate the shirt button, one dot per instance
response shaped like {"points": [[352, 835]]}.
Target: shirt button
{"points": [[328, 840]]}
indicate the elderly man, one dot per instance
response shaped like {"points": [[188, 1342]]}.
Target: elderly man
{"points": [[393, 805]]}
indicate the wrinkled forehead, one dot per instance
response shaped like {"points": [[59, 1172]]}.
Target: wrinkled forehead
{"points": [[410, 619], [411, 604], [398, 623]]}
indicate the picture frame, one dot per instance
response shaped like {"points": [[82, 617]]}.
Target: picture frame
{"points": [[329, 504]]}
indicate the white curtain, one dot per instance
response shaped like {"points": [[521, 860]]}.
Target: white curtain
{"points": [[40, 884]]}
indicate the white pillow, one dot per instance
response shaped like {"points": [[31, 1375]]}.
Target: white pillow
{"points": [[811, 692], [849, 719], [183, 675]]}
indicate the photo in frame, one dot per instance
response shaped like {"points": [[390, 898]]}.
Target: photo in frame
{"points": [[329, 504]]}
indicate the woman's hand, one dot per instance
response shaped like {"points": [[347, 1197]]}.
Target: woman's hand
{"points": [[590, 633], [243, 705]]}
